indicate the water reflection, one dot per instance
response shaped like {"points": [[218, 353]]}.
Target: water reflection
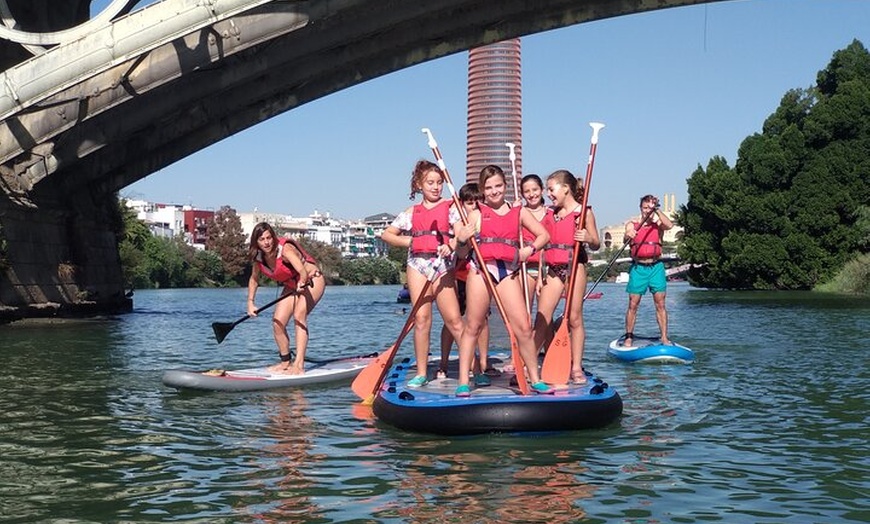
{"points": [[767, 426], [287, 444]]}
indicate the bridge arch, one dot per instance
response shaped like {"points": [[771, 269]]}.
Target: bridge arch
{"points": [[89, 117]]}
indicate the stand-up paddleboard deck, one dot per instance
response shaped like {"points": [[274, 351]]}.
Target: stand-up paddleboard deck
{"points": [[497, 408], [253, 379], [650, 349]]}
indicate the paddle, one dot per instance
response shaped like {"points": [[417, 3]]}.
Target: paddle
{"points": [[612, 260], [222, 329], [556, 368], [490, 286], [323, 361], [369, 380], [523, 270]]}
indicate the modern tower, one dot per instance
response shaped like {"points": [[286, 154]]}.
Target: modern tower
{"points": [[495, 109]]}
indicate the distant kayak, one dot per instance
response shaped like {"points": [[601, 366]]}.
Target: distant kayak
{"points": [[650, 349], [253, 379], [596, 295]]}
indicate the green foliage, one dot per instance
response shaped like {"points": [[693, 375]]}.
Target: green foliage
{"points": [[327, 256], [149, 262], [225, 238], [853, 279], [794, 208], [399, 255], [369, 271]]}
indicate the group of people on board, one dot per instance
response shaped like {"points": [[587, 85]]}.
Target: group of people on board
{"points": [[513, 240]]}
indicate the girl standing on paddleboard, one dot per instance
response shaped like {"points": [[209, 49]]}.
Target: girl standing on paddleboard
{"points": [[499, 244], [284, 261], [533, 192], [426, 229], [566, 193]]}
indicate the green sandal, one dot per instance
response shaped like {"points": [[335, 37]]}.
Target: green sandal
{"points": [[418, 382]]}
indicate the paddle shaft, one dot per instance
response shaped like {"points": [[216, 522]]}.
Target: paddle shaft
{"points": [[593, 146], [523, 268], [222, 329], [490, 285], [556, 368]]}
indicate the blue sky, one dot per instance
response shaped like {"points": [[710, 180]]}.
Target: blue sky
{"points": [[674, 87]]}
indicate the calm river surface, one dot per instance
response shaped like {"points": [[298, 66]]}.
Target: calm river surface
{"points": [[769, 425]]}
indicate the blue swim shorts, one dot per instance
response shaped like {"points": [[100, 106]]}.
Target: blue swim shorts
{"points": [[646, 277]]}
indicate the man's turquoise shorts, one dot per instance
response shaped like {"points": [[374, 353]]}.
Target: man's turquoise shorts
{"points": [[643, 277]]}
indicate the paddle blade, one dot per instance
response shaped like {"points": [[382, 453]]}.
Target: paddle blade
{"points": [[221, 330], [519, 366], [557, 362], [365, 384]]}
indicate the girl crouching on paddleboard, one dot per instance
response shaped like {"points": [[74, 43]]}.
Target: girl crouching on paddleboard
{"points": [[284, 260], [426, 229], [499, 244], [566, 193]]}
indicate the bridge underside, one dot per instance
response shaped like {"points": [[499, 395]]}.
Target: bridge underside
{"points": [[71, 148]]}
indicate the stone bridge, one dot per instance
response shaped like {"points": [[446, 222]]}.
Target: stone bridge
{"points": [[89, 106]]}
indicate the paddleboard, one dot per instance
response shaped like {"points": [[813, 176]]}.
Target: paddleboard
{"points": [[496, 407], [651, 349], [253, 379]]}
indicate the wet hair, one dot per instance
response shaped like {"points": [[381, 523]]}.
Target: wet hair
{"points": [[531, 178], [420, 170], [490, 171], [259, 229], [470, 192], [563, 176]]}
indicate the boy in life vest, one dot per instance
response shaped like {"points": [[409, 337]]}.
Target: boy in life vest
{"points": [[470, 196], [647, 271]]}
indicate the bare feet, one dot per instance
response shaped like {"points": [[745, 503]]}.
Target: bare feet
{"points": [[283, 368], [666, 341], [578, 376], [626, 342]]}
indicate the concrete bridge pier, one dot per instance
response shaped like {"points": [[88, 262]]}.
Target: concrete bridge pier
{"points": [[59, 256]]}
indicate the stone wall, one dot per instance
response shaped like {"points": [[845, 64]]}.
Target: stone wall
{"points": [[58, 260]]}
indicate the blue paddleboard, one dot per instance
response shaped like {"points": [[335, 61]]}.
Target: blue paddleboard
{"points": [[650, 349]]}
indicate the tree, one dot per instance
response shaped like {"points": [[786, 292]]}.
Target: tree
{"points": [[225, 238], [328, 257], [132, 234], [369, 271], [788, 215], [399, 255]]}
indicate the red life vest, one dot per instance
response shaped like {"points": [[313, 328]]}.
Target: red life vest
{"points": [[560, 250], [647, 243], [284, 273], [528, 237], [499, 234], [430, 228]]}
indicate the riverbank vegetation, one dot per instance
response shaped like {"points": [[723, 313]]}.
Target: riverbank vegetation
{"points": [[793, 212], [150, 261]]}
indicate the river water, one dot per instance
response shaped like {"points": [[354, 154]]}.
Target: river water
{"points": [[769, 425]]}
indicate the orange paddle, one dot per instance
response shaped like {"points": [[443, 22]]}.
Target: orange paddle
{"points": [[368, 382], [556, 368]]}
